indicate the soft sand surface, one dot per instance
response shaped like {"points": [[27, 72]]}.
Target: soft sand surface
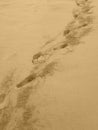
{"points": [[70, 100]]}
